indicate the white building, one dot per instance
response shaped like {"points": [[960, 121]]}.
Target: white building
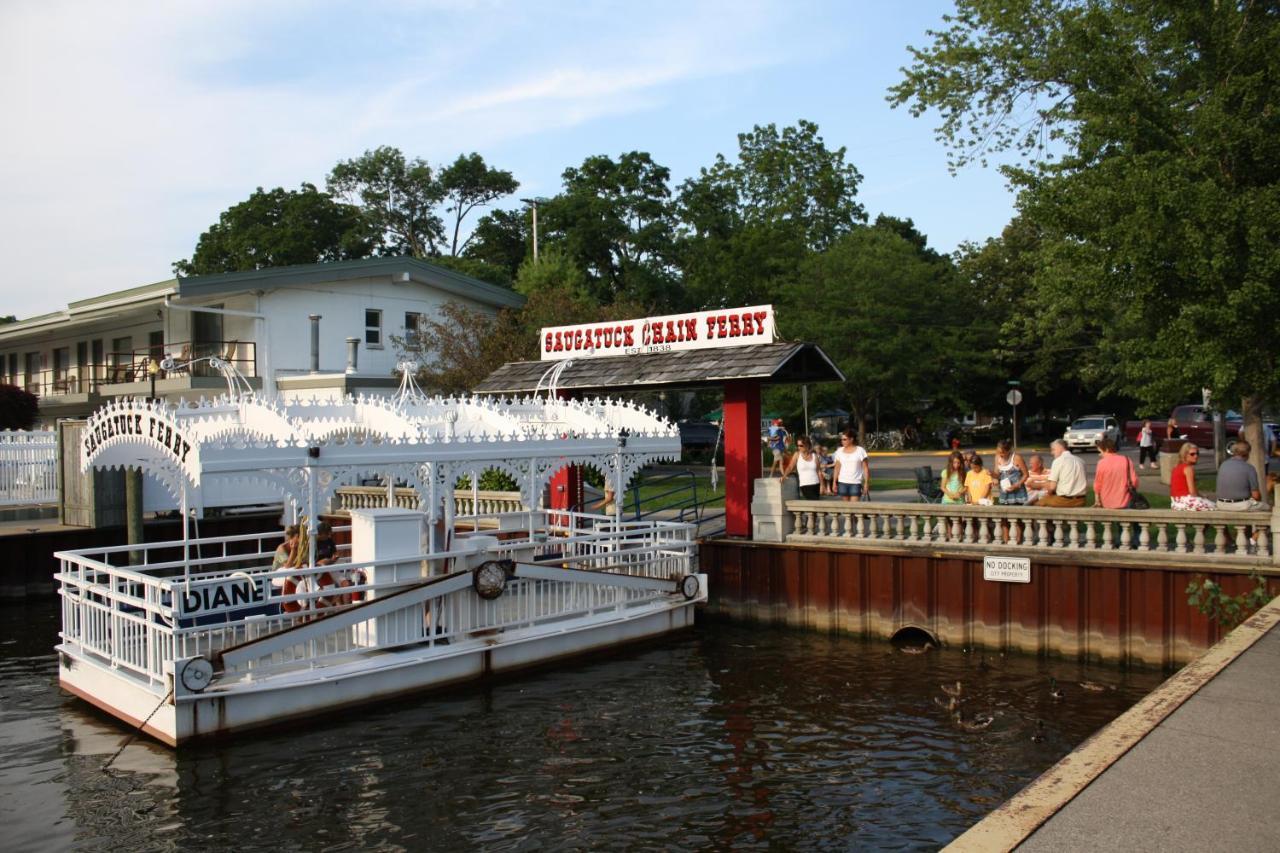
{"points": [[259, 321]]}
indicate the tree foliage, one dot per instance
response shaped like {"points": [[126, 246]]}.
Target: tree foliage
{"points": [[614, 219], [469, 183], [1151, 139], [398, 197], [750, 221], [503, 239], [18, 407], [279, 227], [890, 317]]}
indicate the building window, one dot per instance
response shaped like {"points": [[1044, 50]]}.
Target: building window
{"points": [[413, 326], [13, 368], [373, 328]]}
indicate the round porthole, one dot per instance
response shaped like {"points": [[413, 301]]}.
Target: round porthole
{"points": [[689, 587]]}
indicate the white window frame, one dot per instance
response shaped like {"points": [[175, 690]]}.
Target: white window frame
{"points": [[376, 329]]}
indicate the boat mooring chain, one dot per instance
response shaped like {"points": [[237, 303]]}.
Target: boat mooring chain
{"points": [[136, 731]]}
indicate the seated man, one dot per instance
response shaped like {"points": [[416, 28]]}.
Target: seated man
{"points": [[1067, 483], [1037, 479], [1238, 481]]}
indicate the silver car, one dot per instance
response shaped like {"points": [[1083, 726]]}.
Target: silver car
{"points": [[1086, 432]]}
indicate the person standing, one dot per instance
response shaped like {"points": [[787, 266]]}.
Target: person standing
{"points": [[778, 437], [953, 477], [1113, 477], [805, 464], [1238, 487], [853, 471], [978, 482], [1067, 482], [1146, 444], [1012, 474], [1183, 492]]}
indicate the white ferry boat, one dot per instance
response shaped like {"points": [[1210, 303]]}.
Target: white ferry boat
{"points": [[202, 637]]}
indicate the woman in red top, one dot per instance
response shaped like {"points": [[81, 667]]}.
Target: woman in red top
{"points": [[1182, 484]]}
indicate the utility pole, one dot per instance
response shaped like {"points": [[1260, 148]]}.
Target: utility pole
{"points": [[533, 204]]}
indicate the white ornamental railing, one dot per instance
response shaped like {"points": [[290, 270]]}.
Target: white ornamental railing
{"points": [[140, 619], [28, 467], [1157, 536]]}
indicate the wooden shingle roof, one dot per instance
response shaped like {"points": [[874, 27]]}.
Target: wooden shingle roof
{"points": [[772, 364]]}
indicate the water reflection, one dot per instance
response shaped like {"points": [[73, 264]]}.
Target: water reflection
{"points": [[723, 737]]}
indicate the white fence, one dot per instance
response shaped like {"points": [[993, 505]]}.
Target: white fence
{"points": [[140, 619], [28, 468]]}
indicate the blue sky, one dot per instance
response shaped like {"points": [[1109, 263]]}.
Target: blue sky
{"points": [[130, 127]]}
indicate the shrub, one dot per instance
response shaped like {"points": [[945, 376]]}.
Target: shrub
{"points": [[18, 408]]}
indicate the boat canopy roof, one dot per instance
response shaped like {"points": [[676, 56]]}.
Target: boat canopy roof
{"points": [[309, 448]]}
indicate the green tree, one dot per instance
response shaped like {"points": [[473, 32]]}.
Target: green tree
{"points": [[18, 408], [468, 183], [890, 318], [614, 219], [750, 221], [398, 198], [280, 227], [555, 270], [1150, 141], [501, 238], [475, 268]]}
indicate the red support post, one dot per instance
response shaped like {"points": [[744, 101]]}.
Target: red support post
{"points": [[741, 453]]}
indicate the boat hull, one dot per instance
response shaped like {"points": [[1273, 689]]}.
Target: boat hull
{"points": [[317, 691]]}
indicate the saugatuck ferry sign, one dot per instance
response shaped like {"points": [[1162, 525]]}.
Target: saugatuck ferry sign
{"points": [[139, 433], [729, 327]]}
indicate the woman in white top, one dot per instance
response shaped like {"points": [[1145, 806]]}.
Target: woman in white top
{"points": [[805, 464], [853, 472]]}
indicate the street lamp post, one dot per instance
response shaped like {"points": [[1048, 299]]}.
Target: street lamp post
{"points": [[152, 369]]}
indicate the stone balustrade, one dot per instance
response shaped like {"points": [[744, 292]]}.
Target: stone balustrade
{"points": [[1148, 536], [375, 497]]}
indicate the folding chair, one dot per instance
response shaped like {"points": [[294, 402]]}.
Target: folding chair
{"points": [[927, 485]]}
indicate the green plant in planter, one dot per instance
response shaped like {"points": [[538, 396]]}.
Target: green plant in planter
{"points": [[1227, 610]]}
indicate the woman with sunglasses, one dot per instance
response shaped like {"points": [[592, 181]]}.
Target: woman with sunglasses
{"points": [[805, 465], [1182, 484], [853, 471]]}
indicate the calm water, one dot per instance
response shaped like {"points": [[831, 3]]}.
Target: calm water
{"points": [[722, 737]]}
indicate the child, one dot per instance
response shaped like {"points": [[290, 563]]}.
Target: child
{"points": [[826, 469], [778, 439], [978, 482]]}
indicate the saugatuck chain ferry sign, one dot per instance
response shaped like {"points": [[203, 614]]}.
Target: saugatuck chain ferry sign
{"points": [[729, 327]]}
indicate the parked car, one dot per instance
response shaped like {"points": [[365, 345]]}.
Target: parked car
{"points": [[1085, 433], [1194, 424], [697, 435]]}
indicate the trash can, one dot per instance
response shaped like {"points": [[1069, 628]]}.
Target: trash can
{"points": [[1169, 458]]}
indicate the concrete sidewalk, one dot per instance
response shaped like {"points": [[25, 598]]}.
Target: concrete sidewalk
{"points": [[1190, 767], [1206, 778]]}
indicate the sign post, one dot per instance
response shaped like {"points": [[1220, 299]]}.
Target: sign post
{"points": [[1014, 397]]}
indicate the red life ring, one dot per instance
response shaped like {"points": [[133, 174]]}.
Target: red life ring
{"points": [[290, 587]]}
